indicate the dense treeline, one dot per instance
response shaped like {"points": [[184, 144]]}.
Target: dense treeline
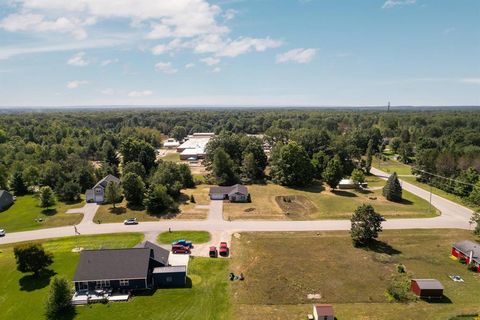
{"points": [[69, 151]]}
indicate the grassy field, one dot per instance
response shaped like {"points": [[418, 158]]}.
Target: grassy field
{"points": [[194, 236], [25, 212], [106, 213], [22, 297], [282, 269], [171, 156], [317, 203], [392, 166]]}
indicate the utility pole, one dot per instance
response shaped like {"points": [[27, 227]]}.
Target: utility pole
{"points": [[430, 204]]}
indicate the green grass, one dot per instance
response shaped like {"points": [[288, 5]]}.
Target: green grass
{"points": [[391, 166], [278, 281], [22, 297], [22, 214], [171, 156], [194, 236], [206, 299]]}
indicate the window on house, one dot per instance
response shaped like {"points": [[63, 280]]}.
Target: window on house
{"points": [[102, 284], [169, 279], [124, 283]]}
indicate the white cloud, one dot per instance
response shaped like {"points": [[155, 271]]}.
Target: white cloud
{"points": [[299, 55], [107, 91], [78, 60], [138, 94], [210, 61], [471, 80], [243, 45], [165, 67], [229, 14], [171, 46], [107, 62], [29, 22], [189, 65], [76, 83], [394, 3]]}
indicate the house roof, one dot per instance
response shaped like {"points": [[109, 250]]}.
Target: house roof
{"points": [[109, 178], [159, 254], [324, 310], [467, 246], [237, 188], [346, 182], [428, 284], [111, 264], [6, 198]]}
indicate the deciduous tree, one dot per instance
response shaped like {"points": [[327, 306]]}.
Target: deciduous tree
{"points": [[113, 193], [333, 172], [32, 258], [291, 165], [47, 198], [133, 188], [366, 224]]}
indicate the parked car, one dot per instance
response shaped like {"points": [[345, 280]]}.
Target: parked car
{"points": [[224, 250], [177, 248], [184, 243], [213, 253], [130, 221], [2, 233]]}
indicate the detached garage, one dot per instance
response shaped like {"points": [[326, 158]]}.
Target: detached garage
{"points": [[427, 288]]}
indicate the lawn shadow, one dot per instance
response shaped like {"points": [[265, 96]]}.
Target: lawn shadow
{"points": [[49, 211], [444, 299], [406, 202], [314, 188], [68, 315], [135, 207], [31, 283], [343, 193], [117, 210], [381, 247]]}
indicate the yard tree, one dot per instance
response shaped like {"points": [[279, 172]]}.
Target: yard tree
{"points": [[168, 174], [291, 165], [32, 258], [158, 200], [138, 150], [17, 184], [134, 167], [366, 224], [69, 191], [368, 162], [333, 172], [475, 220], [319, 162], [133, 188], [178, 132], [399, 287], [223, 168], [58, 302], [395, 144], [113, 193], [186, 175], [358, 176], [392, 190], [47, 198], [254, 146], [249, 167]]}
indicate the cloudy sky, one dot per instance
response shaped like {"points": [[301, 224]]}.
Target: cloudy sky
{"points": [[239, 52]]}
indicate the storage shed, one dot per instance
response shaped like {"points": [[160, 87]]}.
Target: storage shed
{"points": [[427, 288], [468, 250], [323, 312]]}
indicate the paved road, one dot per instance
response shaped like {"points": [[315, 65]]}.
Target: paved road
{"points": [[453, 216], [88, 211]]}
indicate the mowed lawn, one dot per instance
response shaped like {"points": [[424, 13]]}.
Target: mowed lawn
{"points": [[22, 296], [206, 298], [315, 202], [194, 236], [392, 166], [24, 212], [282, 269], [188, 211]]}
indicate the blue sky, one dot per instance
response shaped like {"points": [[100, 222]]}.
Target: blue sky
{"points": [[234, 52]]}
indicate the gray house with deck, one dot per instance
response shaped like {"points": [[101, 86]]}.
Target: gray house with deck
{"points": [[97, 193], [235, 193]]}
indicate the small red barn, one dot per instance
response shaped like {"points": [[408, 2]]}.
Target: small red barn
{"points": [[468, 250], [323, 312], [427, 288]]}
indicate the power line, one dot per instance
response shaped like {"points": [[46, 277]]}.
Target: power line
{"points": [[439, 176]]}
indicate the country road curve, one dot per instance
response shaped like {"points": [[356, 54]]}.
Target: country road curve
{"points": [[452, 216]]}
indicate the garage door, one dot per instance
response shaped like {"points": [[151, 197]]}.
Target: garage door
{"points": [[216, 196]]}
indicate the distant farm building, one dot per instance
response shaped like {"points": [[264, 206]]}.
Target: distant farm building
{"points": [[235, 193], [427, 288], [97, 193], [323, 312], [468, 250], [194, 146], [6, 200], [350, 184], [171, 143]]}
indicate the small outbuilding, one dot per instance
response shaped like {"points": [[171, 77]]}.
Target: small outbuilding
{"points": [[468, 250], [323, 312], [6, 200], [427, 288], [235, 193]]}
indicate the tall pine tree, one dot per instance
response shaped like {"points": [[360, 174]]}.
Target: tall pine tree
{"points": [[393, 190]]}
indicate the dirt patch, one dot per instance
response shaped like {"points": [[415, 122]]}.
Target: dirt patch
{"points": [[295, 205]]}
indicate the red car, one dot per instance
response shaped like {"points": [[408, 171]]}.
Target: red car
{"points": [[213, 253], [224, 251], [176, 248]]}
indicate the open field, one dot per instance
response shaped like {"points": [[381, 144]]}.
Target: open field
{"points": [[22, 215], [194, 236], [391, 166], [22, 296], [282, 269], [270, 201], [207, 298], [106, 213]]}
